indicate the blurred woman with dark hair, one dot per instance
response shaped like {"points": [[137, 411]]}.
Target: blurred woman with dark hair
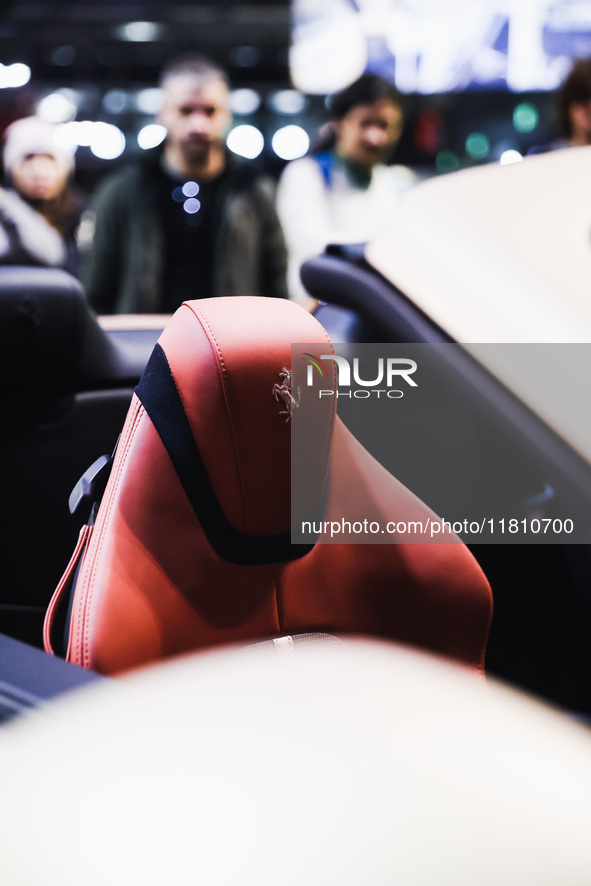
{"points": [[39, 210], [342, 191], [574, 104], [572, 110]]}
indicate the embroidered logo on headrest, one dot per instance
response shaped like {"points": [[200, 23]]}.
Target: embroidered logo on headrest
{"points": [[283, 392]]}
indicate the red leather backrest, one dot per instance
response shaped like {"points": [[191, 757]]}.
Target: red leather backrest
{"points": [[154, 582], [226, 356]]}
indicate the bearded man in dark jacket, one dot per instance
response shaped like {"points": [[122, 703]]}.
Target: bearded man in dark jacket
{"points": [[188, 220]]}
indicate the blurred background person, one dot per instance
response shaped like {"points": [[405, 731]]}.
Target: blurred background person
{"points": [[574, 105], [343, 191], [188, 219], [39, 210], [573, 110]]}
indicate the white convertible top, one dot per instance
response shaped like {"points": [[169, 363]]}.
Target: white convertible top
{"points": [[498, 253], [502, 254]]}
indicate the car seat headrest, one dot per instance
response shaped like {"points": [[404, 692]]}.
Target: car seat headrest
{"points": [[41, 315], [230, 361], [51, 340]]}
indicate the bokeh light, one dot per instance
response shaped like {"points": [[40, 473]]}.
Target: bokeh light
{"points": [[246, 141], [151, 135], [15, 75], [447, 161], [288, 101], [290, 142], [510, 156], [244, 101], [525, 117], [477, 146], [106, 141], [58, 107]]}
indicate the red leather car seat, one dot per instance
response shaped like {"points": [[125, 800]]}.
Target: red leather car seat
{"points": [[191, 546]]}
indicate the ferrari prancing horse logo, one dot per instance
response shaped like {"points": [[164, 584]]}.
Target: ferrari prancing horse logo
{"points": [[285, 393]]}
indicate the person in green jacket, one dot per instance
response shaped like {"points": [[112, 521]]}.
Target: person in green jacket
{"points": [[188, 219]]}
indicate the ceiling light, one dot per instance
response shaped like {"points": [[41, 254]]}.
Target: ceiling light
{"points": [[247, 141], [290, 142], [58, 107], [288, 101], [12, 76], [107, 141], [62, 56], [149, 101], [510, 156], [115, 101], [151, 136], [245, 56], [244, 101], [104, 140], [140, 32]]}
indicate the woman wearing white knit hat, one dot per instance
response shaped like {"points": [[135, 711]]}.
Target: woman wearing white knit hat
{"points": [[39, 211]]}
